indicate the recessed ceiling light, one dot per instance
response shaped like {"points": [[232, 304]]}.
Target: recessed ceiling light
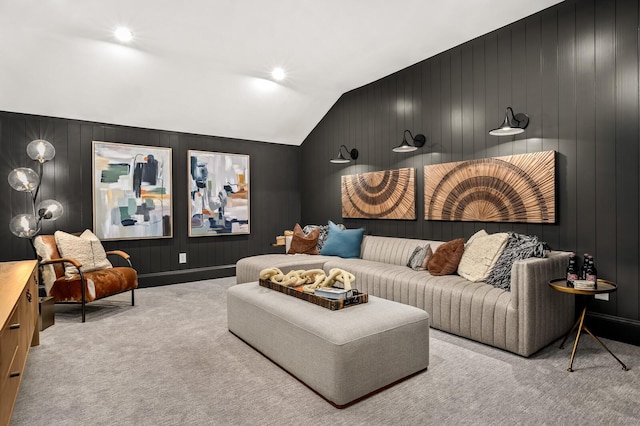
{"points": [[278, 74], [123, 34]]}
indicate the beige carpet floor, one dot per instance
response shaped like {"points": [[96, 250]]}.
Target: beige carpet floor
{"points": [[170, 360]]}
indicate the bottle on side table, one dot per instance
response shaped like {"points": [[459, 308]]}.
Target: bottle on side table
{"points": [[583, 269], [591, 273], [572, 270]]}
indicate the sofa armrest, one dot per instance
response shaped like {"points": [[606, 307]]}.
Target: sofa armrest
{"points": [[122, 254], [544, 314], [74, 262]]}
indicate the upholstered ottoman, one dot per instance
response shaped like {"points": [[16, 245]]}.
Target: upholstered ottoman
{"points": [[343, 355]]}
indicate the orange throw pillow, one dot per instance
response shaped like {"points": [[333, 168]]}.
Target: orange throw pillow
{"points": [[304, 244], [446, 258]]}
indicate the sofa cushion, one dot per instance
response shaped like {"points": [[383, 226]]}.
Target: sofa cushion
{"points": [[518, 247], [86, 249], [480, 233], [304, 244], [427, 258], [324, 231], [480, 255], [342, 242], [420, 258], [446, 258]]}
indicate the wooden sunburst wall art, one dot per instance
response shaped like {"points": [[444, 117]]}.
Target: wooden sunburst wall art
{"points": [[389, 194], [515, 188]]}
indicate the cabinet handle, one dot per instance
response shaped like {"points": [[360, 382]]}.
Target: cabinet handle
{"points": [[14, 374], [14, 326], [29, 297]]}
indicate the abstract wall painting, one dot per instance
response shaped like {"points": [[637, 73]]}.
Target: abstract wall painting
{"points": [[514, 188], [389, 194], [131, 191], [218, 193]]}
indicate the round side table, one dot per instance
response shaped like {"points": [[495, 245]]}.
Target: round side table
{"points": [[603, 286]]}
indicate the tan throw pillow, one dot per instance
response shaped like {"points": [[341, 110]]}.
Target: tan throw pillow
{"points": [[427, 258], [304, 244], [481, 255], [446, 258], [86, 249]]}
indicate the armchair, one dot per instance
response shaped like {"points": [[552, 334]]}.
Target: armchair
{"points": [[75, 269]]}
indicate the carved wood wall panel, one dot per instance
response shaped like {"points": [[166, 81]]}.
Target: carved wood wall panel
{"points": [[514, 188], [389, 194]]}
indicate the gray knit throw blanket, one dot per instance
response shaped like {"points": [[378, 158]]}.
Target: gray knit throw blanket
{"points": [[518, 247]]}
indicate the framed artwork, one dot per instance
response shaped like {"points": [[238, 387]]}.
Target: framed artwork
{"points": [[131, 191], [218, 193], [514, 188], [388, 194]]}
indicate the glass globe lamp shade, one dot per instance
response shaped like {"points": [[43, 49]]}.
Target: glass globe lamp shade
{"points": [[23, 179], [41, 150], [24, 226], [49, 209]]}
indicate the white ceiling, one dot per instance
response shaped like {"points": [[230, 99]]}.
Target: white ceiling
{"points": [[203, 66]]}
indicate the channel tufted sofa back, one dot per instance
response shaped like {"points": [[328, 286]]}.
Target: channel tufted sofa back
{"points": [[391, 250]]}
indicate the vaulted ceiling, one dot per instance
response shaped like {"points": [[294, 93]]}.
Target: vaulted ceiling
{"points": [[204, 66]]}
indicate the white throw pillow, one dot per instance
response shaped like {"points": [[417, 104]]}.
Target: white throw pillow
{"points": [[480, 233], [480, 255], [86, 249]]}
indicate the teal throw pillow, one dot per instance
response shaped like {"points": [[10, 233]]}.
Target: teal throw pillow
{"points": [[342, 242]]}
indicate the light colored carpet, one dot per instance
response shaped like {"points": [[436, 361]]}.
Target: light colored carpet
{"points": [[170, 360]]}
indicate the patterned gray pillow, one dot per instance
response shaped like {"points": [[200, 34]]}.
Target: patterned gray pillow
{"points": [[518, 247], [324, 231], [417, 258]]}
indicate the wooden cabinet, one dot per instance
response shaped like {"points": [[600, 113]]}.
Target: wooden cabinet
{"points": [[19, 320]]}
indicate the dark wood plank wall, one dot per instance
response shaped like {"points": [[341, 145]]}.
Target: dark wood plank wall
{"points": [[573, 69], [274, 194]]}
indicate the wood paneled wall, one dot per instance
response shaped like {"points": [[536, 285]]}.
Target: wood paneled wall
{"points": [[274, 194], [573, 69]]}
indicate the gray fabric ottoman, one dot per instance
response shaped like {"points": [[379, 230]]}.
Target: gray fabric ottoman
{"points": [[342, 355]]}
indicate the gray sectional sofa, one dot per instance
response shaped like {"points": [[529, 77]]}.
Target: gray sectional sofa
{"points": [[522, 320]]}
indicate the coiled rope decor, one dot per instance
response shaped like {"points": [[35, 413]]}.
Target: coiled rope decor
{"points": [[311, 279]]}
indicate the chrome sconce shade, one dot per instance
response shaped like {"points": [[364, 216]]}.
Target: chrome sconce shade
{"points": [[418, 141], [511, 126], [341, 159]]}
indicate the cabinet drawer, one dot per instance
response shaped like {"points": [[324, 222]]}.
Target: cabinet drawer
{"points": [[10, 338], [9, 391], [26, 316]]}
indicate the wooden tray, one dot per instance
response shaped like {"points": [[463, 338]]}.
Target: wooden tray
{"points": [[332, 304]]}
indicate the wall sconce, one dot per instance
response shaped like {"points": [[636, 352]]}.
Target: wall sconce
{"points": [[340, 159], [24, 179], [418, 142], [511, 126]]}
